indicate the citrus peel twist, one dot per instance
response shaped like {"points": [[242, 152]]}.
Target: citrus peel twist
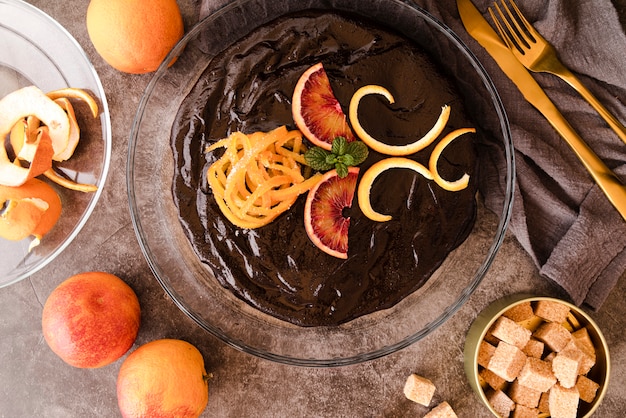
{"points": [[43, 128], [430, 173], [259, 176], [372, 173], [394, 150], [463, 181]]}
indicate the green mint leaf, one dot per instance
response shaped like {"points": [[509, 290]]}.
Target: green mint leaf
{"points": [[358, 151], [342, 170], [339, 146], [347, 159], [343, 154], [316, 158]]}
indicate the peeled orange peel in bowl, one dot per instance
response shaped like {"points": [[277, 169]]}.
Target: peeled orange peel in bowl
{"points": [[41, 128], [259, 176]]}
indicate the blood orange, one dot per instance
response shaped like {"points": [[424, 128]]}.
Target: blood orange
{"points": [[324, 221], [316, 110]]}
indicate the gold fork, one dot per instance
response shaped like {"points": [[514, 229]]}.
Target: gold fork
{"points": [[538, 55]]}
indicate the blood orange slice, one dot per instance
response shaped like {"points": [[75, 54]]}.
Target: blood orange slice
{"points": [[324, 221], [316, 111]]}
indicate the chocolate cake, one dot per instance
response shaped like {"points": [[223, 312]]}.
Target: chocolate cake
{"points": [[276, 268]]}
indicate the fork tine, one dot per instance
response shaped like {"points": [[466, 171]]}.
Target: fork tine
{"points": [[530, 30], [507, 33]]}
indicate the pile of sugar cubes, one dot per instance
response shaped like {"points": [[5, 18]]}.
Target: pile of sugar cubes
{"points": [[421, 390], [534, 361]]}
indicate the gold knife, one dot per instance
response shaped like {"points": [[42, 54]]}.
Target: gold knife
{"points": [[478, 27]]}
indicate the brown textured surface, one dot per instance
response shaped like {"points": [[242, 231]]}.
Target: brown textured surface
{"points": [[35, 383]]}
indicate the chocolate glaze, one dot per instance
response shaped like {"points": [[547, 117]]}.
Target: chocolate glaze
{"points": [[248, 87]]}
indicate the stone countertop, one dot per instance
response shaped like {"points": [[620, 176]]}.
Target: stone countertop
{"points": [[36, 383]]}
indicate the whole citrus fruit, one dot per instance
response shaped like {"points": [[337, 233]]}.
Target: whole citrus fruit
{"points": [[91, 319], [163, 378], [31, 209], [134, 36]]}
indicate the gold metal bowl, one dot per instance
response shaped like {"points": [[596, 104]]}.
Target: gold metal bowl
{"points": [[599, 373]]}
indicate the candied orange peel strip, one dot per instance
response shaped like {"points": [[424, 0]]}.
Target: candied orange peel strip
{"points": [[394, 150], [372, 173], [259, 176], [458, 184]]}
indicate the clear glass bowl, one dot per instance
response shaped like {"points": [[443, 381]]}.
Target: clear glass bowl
{"points": [[36, 50], [193, 286]]}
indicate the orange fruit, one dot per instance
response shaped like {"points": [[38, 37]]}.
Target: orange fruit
{"points": [[30, 209], [134, 36], [163, 378], [91, 319], [324, 221], [316, 111]]}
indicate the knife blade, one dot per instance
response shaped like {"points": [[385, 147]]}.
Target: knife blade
{"points": [[479, 29]]}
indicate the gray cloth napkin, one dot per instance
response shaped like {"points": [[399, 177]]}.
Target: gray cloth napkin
{"points": [[560, 217]]}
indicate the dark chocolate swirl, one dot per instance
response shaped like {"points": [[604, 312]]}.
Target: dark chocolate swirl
{"points": [[248, 87]]}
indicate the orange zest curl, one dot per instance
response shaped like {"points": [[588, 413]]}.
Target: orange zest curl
{"points": [[259, 176]]}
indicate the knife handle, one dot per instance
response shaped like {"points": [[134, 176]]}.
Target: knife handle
{"points": [[608, 182], [611, 120]]}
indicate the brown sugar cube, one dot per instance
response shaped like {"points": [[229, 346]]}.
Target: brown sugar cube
{"points": [[548, 358], [551, 311], [523, 395], [554, 335], [419, 389], [566, 364], [534, 348], [507, 361], [537, 374], [543, 406], [492, 379], [489, 337], [587, 388], [532, 323], [443, 410], [583, 342], [511, 332], [563, 402], [520, 312], [522, 411], [501, 403], [485, 351]]}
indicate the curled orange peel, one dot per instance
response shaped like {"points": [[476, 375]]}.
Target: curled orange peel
{"points": [[13, 108], [455, 185], [52, 175], [74, 136], [394, 150], [372, 173], [258, 177], [76, 94]]}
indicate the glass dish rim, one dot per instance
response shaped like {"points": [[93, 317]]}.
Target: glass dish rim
{"points": [[503, 221]]}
